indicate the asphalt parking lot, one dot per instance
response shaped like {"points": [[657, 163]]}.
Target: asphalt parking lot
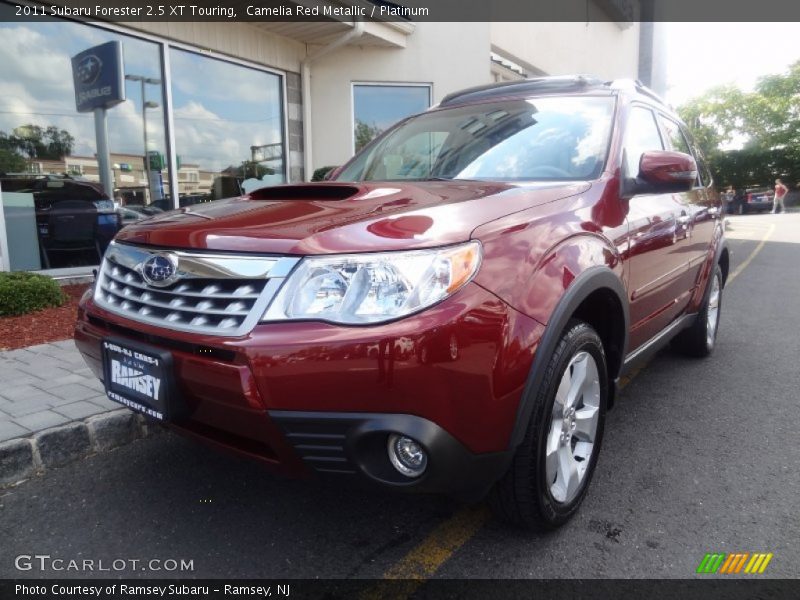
{"points": [[699, 456]]}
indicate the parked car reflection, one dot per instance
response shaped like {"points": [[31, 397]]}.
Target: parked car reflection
{"points": [[75, 219], [128, 215], [147, 211]]}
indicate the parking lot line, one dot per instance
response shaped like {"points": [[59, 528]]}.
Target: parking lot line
{"points": [[753, 254], [425, 559], [428, 556]]}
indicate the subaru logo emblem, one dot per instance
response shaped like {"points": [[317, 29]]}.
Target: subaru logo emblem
{"points": [[160, 270], [89, 69]]}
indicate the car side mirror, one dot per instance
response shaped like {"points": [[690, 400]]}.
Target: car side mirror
{"points": [[663, 172]]}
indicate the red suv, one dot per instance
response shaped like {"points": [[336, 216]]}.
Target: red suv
{"points": [[451, 312]]}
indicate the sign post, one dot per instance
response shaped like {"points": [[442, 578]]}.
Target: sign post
{"points": [[103, 154], [98, 75]]}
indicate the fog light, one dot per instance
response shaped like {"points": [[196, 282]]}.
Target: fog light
{"points": [[407, 455]]}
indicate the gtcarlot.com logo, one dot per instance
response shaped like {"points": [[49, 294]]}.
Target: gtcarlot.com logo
{"points": [[734, 563], [46, 562]]}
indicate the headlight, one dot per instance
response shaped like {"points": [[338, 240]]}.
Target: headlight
{"points": [[371, 288]]}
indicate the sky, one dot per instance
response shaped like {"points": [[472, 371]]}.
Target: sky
{"points": [[703, 55]]}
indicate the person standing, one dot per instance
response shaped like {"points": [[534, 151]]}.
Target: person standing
{"points": [[728, 196], [780, 193]]}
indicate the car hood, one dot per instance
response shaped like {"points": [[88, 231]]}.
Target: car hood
{"points": [[329, 218]]}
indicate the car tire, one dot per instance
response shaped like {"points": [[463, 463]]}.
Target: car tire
{"points": [[700, 339], [562, 441]]}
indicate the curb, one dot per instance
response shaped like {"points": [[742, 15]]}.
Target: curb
{"points": [[23, 458]]}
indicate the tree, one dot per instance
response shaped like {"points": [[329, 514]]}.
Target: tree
{"points": [[764, 122], [364, 133], [11, 162], [321, 173], [59, 143], [33, 141], [251, 168]]}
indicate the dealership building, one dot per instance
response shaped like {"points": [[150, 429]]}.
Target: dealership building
{"points": [[212, 109]]}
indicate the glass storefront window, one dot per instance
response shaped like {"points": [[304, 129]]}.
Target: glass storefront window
{"points": [[378, 107], [56, 212], [228, 122]]}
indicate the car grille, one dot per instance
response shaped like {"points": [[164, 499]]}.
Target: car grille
{"points": [[210, 293]]}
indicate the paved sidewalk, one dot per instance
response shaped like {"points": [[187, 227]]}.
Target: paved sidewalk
{"points": [[46, 386], [54, 411]]}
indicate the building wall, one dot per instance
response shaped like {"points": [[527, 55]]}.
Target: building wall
{"points": [[240, 40], [451, 56], [603, 49], [652, 56]]}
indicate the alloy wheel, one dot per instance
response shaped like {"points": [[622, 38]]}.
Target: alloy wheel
{"points": [[573, 428], [712, 314]]}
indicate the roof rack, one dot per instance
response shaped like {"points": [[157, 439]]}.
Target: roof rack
{"points": [[565, 83], [634, 85]]}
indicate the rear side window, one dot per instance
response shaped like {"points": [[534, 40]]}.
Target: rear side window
{"points": [[641, 135], [702, 166], [677, 140], [680, 141]]}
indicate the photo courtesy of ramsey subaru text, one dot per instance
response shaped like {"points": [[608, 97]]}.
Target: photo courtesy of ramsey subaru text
{"points": [[450, 312]]}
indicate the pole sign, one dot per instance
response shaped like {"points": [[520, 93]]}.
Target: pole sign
{"points": [[99, 77], [156, 160]]}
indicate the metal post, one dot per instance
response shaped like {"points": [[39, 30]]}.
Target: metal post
{"points": [[103, 157], [172, 156], [5, 259], [154, 185], [144, 128]]}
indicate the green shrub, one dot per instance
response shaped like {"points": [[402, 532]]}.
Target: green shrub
{"points": [[319, 174], [22, 292]]}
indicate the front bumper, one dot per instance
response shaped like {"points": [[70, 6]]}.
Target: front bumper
{"points": [[450, 377], [355, 443]]}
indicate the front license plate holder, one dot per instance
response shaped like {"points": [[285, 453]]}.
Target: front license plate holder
{"points": [[140, 377]]}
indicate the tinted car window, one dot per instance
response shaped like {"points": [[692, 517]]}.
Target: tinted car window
{"points": [[641, 135], [675, 136], [703, 172], [677, 140], [532, 139]]}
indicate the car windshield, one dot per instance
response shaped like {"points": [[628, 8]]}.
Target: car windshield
{"points": [[551, 138]]}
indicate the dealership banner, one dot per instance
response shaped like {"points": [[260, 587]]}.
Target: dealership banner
{"points": [[621, 12]]}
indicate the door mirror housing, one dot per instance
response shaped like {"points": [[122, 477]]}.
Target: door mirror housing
{"points": [[663, 172]]}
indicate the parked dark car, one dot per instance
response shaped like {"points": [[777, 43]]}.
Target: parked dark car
{"points": [[75, 218], [450, 313], [758, 199]]}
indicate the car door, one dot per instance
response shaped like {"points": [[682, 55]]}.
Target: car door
{"points": [[699, 206], [658, 283]]}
